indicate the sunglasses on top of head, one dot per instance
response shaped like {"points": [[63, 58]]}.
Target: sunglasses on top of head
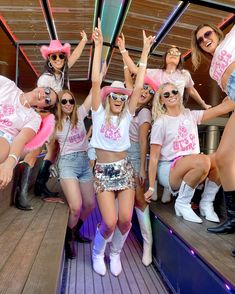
{"points": [[65, 101], [119, 97], [206, 35], [174, 52], [47, 92], [55, 56], [151, 91], [168, 94]]}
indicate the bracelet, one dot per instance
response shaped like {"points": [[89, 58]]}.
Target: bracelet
{"points": [[151, 189], [141, 64], [125, 66], [14, 157], [123, 51]]}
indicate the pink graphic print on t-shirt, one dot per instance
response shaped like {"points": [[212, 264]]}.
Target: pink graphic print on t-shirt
{"points": [[76, 136], [110, 131], [7, 109], [185, 140], [220, 66]]}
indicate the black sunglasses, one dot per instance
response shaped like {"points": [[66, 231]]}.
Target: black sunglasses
{"points": [[151, 91], [168, 94], [65, 101], [47, 92], [55, 56], [205, 36]]}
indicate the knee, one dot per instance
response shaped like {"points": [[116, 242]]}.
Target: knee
{"points": [[109, 227], [124, 225], [203, 164], [75, 210]]}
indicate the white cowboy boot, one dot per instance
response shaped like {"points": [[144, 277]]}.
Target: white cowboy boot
{"points": [[182, 204], [98, 253], [117, 243], [155, 196], [146, 231], [166, 195], [206, 206]]}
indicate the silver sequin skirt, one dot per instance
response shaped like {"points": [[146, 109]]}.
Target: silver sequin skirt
{"points": [[114, 176]]}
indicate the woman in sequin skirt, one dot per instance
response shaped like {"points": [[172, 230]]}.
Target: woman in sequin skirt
{"points": [[114, 175]]}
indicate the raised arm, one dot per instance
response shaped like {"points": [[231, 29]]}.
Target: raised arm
{"points": [[78, 50], [126, 58], [226, 106], [147, 42], [98, 40]]}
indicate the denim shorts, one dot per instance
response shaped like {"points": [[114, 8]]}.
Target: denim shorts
{"points": [[163, 174], [230, 91], [75, 166], [134, 156], [6, 136]]}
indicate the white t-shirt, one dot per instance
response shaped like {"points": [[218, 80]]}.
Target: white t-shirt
{"points": [[178, 136], [224, 55], [181, 78], [76, 139], [113, 136], [142, 117], [49, 80], [13, 115]]}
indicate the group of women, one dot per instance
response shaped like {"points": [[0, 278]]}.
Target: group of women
{"points": [[122, 114]]}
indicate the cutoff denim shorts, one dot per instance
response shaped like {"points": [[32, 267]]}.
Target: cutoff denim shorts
{"points": [[6, 136], [134, 156], [230, 91], [75, 166], [163, 174]]}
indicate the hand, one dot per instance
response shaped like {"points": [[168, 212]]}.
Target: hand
{"points": [[97, 34], [142, 177], [148, 196], [147, 41], [84, 36], [121, 42], [6, 173], [206, 106]]}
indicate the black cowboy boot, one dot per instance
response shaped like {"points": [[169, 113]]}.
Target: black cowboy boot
{"points": [[70, 249], [78, 236], [233, 253], [228, 226], [21, 200], [40, 188]]}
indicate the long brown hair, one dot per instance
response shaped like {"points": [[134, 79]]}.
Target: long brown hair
{"points": [[60, 114], [197, 52]]}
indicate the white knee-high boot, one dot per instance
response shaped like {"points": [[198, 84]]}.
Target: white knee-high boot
{"points": [[206, 206], [166, 195], [146, 231], [183, 206], [98, 253], [117, 243]]}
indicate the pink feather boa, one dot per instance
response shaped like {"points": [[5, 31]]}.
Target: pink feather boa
{"points": [[45, 131]]}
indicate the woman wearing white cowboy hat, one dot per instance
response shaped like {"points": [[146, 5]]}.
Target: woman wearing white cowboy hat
{"points": [[114, 175]]}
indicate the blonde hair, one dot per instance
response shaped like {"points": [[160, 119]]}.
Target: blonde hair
{"points": [[158, 107], [108, 112], [197, 52], [60, 115]]}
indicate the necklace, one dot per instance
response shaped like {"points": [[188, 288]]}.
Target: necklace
{"points": [[26, 101]]}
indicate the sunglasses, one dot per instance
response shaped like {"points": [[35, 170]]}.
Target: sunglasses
{"points": [[119, 97], [168, 94], [205, 36], [174, 53], [151, 91], [65, 101], [55, 56], [47, 92]]}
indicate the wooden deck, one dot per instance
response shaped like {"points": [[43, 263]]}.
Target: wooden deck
{"points": [[78, 276], [213, 249]]}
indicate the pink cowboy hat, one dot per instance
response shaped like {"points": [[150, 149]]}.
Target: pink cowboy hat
{"points": [[115, 87], [55, 46], [151, 82]]}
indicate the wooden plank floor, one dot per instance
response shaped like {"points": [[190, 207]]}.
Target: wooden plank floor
{"points": [[214, 249], [78, 276]]}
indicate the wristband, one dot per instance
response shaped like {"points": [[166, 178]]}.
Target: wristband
{"points": [[123, 51], [14, 157], [151, 189], [141, 64]]}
